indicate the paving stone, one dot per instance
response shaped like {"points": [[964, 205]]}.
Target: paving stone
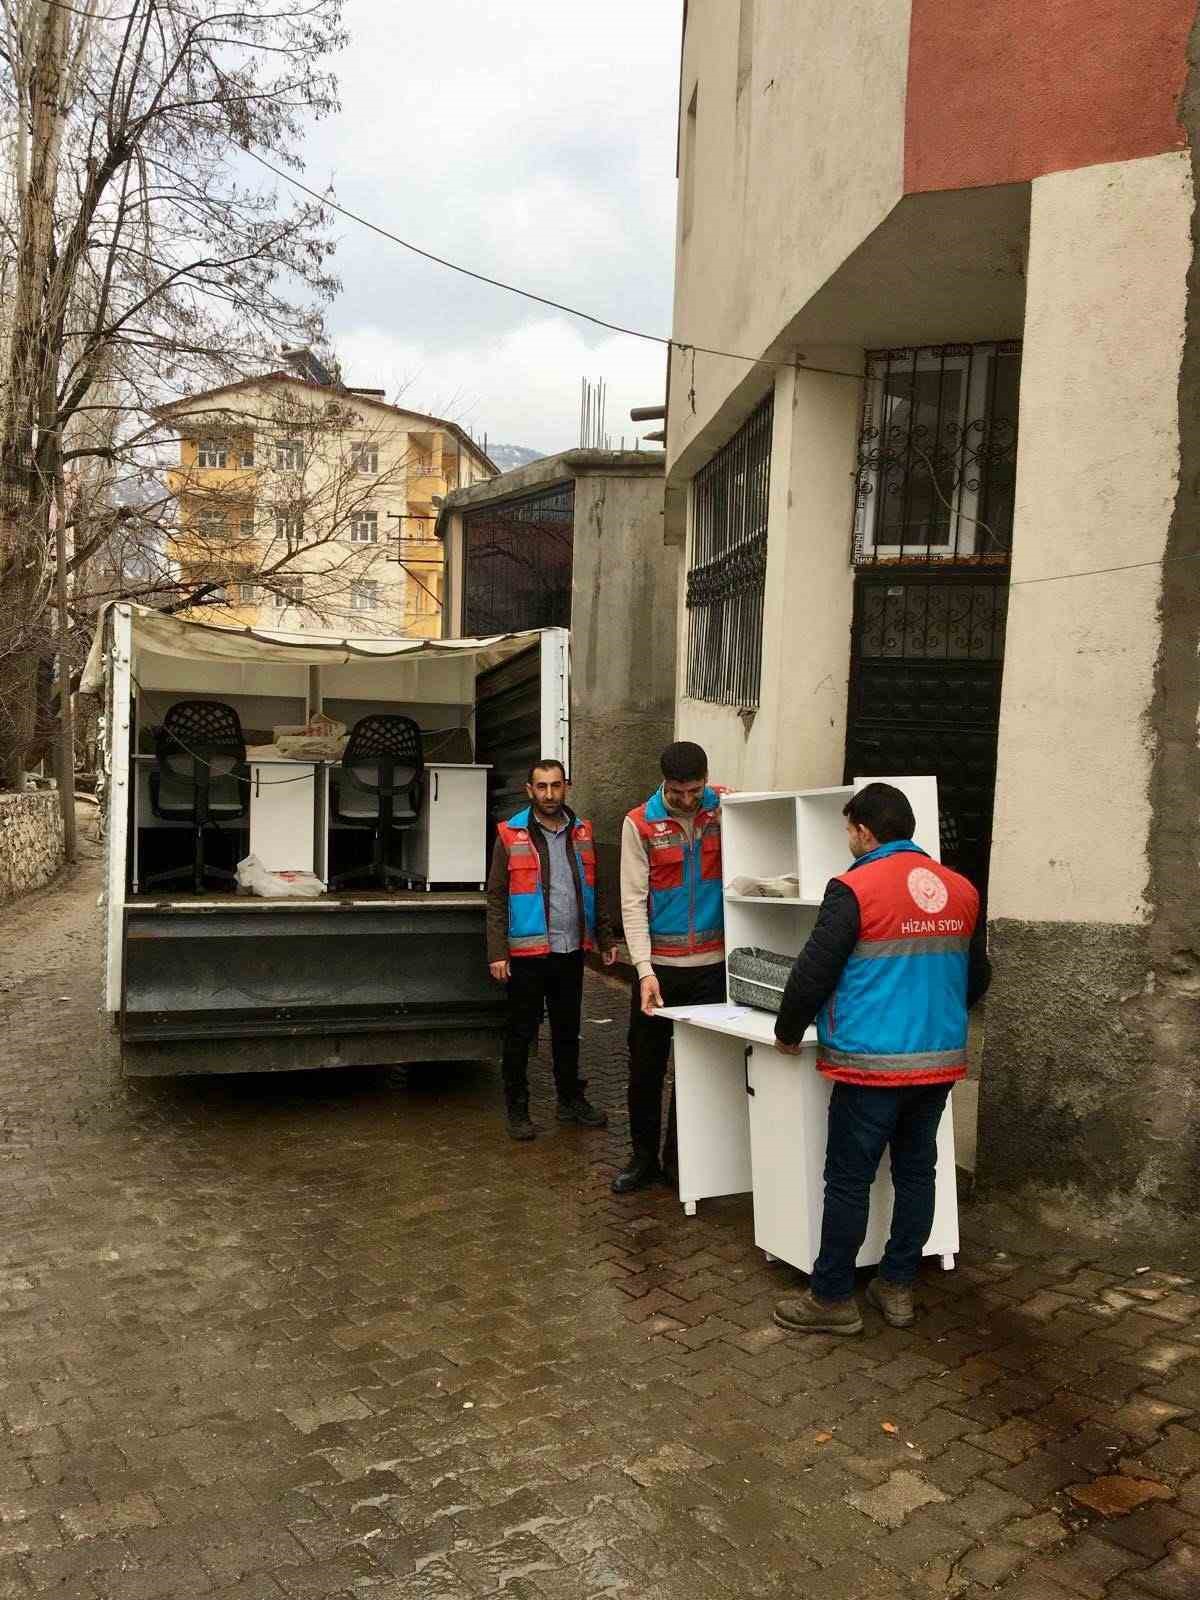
{"points": [[1147, 1531], [1036, 1532], [892, 1501], [1087, 1566], [1116, 1495], [1177, 1453], [990, 1564], [1175, 1577]]}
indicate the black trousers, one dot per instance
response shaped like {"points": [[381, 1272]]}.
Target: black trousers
{"points": [[650, 1047], [554, 984]]}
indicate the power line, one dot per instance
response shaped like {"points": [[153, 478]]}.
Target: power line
{"points": [[1096, 572], [541, 299]]}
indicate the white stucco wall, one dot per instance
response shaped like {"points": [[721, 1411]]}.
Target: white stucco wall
{"points": [[789, 176], [798, 737], [1096, 481]]}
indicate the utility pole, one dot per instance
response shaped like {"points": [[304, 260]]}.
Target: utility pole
{"points": [[66, 711]]}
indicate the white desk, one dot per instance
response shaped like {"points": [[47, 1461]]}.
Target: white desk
{"points": [[449, 842], [283, 814], [751, 1118]]}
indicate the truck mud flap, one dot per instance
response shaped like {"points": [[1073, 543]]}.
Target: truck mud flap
{"points": [[208, 974]]}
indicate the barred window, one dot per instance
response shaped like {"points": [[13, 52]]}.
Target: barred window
{"points": [[937, 455], [726, 579]]}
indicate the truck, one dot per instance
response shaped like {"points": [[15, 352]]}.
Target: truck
{"points": [[220, 980]]}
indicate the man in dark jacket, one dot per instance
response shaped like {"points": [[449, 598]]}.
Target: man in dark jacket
{"points": [[894, 962], [545, 909]]}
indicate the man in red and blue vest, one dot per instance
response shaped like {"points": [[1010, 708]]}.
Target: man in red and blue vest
{"points": [[545, 909], [895, 961], [674, 918]]}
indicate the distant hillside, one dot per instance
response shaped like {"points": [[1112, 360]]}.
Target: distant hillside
{"points": [[508, 456]]}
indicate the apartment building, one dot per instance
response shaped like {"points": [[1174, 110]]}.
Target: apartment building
{"points": [[309, 504], [933, 508]]}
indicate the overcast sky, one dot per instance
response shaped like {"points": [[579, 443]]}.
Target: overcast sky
{"points": [[533, 140]]}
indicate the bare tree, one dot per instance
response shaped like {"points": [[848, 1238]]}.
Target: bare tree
{"points": [[141, 256]]}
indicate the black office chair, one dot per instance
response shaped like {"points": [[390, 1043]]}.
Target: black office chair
{"points": [[200, 776], [378, 785]]}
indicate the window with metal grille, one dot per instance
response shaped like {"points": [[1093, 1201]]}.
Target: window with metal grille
{"points": [[212, 525], [937, 455], [364, 527], [289, 527], [727, 576], [518, 563]]}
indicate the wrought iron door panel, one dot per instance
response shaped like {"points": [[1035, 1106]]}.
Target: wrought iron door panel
{"points": [[925, 672]]}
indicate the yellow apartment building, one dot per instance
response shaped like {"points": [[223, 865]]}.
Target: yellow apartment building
{"points": [[312, 505]]}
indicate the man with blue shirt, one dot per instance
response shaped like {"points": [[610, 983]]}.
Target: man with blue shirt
{"points": [[894, 962], [674, 921], [545, 909]]}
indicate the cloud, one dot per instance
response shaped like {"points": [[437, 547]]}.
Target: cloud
{"points": [[529, 377], [534, 142]]}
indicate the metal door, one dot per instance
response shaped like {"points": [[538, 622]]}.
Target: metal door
{"points": [[926, 658]]}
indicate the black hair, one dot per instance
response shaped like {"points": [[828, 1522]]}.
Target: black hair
{"points": [[884, 809], [684, 762], [544, 766]]}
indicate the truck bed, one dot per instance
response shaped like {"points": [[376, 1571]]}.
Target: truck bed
{"points": [[227, 982]]}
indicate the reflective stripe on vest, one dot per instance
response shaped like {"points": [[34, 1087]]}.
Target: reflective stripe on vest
{"points": [[686, 905], [528, 934], [899, 1012]]}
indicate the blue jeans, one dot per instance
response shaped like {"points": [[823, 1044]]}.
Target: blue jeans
{"points": [[863, 1121]]}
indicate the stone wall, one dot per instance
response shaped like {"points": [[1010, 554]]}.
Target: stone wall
{"points": [[31, 841]]}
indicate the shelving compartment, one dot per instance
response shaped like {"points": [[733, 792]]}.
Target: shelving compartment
{"points": [[758, 837], [821, 839]]}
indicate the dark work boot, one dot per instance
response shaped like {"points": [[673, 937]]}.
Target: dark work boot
{"points": [[519, 1125], [574, 1106], [641, 1172]]}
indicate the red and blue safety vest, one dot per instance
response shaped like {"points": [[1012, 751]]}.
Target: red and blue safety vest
{"points": [[528, 933], [899, 1012], [686, 907]]}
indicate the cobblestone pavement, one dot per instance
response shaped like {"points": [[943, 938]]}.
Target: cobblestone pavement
{"points": [[332, 1335]]}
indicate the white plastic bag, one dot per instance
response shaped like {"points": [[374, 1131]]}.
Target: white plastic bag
{"points": [[254, 877]]}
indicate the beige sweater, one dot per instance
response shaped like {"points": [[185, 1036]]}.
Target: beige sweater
{"points": [[635, 901]]}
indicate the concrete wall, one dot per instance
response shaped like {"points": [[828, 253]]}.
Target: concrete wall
{"points": [[1076, 1092], [31, 842], [624, 595]]}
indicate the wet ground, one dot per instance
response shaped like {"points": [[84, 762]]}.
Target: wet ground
{"points": [[335, 1335]]}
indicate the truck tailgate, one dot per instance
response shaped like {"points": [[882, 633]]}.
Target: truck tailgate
{"points": [[204, 971]]}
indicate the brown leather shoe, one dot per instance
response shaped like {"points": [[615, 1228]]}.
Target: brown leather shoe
{"points": [[893, 1300], [807, 1314]]}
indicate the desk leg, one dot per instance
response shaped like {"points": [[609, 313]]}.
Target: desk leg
{"points": [[947, 1263], [689, 1208]]}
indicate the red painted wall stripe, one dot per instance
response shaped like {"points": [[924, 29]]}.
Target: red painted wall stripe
{"points": [[1001, 91]]}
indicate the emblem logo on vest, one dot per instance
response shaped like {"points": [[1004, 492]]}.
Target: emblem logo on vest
{"points": [[929, 893]]}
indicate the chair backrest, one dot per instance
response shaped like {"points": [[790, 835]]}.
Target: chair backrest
{"points": [[200, 746], [384, 755]]}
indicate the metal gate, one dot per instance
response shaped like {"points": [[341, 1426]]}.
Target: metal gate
{"points": [[926, 658]]}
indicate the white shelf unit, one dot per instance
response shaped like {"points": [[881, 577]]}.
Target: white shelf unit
{"points": [[751, 1118]]}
